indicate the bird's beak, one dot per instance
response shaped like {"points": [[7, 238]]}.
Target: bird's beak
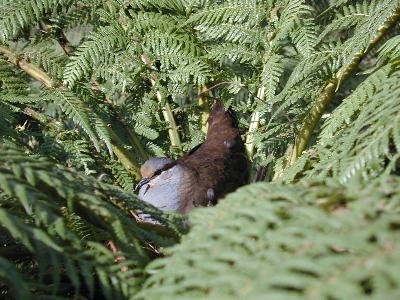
{"points": [[141, 183]]}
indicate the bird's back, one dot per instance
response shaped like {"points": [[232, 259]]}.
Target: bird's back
{"points": [[219, 165]]}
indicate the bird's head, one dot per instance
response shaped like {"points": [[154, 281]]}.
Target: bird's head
{"points": [[153, 167]]}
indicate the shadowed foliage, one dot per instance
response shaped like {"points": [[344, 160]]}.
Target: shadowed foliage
{"points": [[90, 89]]}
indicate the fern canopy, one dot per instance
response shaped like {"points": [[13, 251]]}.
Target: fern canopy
{"points": [[90, 89], [307, 240]]}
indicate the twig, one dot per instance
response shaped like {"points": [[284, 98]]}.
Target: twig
{"points": [[206, 90]]}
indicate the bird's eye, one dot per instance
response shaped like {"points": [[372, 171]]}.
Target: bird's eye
{"points": [[158, 172]]}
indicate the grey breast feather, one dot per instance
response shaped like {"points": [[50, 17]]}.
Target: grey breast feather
{"points": [[162, 191]]}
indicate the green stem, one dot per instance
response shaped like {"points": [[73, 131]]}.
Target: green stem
{"points": [[254, 123], [134, 140], [30, 69], [166, 110], [328, 93], [205, 108], [312, 119], [127, 160], [173, 129], [43, 119]]}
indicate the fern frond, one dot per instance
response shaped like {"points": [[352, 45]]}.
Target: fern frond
{"points": [[10, 80], [123, 178], [53, 244], [230, 12], [80, 154], [305, 36], [142, 22], [233, 33], [197, 72], [75, 109], [283, 246], [99, 47], [7, 119], [270, 75], [349, 16], [293, 11], [232, 53], [43, 55], [18, 15], [343, 114], [9, 274], [172, 49], [390, 50], [315, 90], [378, 131], [176, 6]]}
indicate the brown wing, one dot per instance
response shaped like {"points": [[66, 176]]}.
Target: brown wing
{"points": [[192, 189]]}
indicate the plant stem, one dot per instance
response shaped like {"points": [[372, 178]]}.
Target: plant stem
{"points": [[127, 160], [173, 129], [254, 122], [30, 69], [328, 93], [166, 110], [205, 108], [134, 140], [312, 119]]}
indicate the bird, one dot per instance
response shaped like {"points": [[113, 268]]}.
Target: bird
{"points": [[204, 175]]}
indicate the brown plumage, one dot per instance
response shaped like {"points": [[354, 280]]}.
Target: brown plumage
{"points": [[204, 175]]}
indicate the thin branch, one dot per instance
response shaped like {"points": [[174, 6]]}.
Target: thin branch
{"points": [[43, 119], [206, 90], [328, 93], [312, 119]]}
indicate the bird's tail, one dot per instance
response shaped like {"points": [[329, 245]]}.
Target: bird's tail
{"points": [[218, 107], [219, 115]]}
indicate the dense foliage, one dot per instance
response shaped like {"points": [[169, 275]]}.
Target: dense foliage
{"points": [[89, 89], [283, 244]]}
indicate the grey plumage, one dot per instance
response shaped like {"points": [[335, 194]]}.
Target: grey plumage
{"points": [[162, 190]]}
